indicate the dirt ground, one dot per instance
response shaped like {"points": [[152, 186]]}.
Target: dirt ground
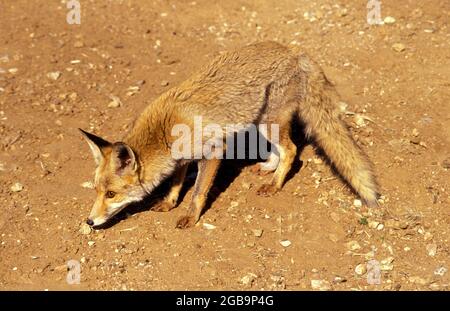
{"points": [[56, 78]]}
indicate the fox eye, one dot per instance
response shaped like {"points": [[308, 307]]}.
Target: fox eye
{"points": [[110, 194]]}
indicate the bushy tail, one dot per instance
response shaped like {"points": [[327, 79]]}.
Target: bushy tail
{"points": [[323, 123]]}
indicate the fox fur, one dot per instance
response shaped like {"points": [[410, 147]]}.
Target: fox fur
{"points": [[259, 83]]}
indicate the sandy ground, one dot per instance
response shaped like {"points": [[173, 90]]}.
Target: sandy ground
{"points": [[56, 77]]}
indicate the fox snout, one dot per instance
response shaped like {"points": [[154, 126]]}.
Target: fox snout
{"points": [[99, 213], [102, 211]]}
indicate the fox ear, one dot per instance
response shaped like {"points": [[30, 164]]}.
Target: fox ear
{"points": [[97, 144], [125, 159]]}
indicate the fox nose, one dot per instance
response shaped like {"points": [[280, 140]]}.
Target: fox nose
{"points": [[90, 222]]}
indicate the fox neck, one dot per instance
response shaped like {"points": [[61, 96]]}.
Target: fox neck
{"points": [[150, 138]]}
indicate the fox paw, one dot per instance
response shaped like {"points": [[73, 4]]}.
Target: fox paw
{"points": [[186, 222], [162, 206], [267, 190]]}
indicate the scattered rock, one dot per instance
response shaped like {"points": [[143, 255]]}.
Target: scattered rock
{"points": [[339, 279], [73, 96], [431, 250], [415, 140], [417, 280], [133, 90], [248, 279], [54, 75], [428, 236], [13, 70], [360, 269], [395, 224], [353, 245], [91, 243], [285, 243], [17, 187], [115, 102], [164, 83], [234, 204], [357, 203], [257, 232], [389, 20], [373, 224], [342, 106], [278, 282], [386, 264], [359, 120], [321, 285], [61, 268], [246, 185], [398, 47], [208, 226], [87, 185], [85, 229], [440, 271]]}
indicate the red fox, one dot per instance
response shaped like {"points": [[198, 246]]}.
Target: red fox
{"points": [[259, 83]]}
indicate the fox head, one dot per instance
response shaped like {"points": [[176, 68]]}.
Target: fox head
{"points": [[116, 178]]}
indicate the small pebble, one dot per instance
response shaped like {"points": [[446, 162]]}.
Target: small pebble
{"points": [[321, 285], [398, 47], [208, 226], [54, 75], [85, 229], [386, 264], [248, 279], [115, 102], [353, 245], [17, 187], [339, 279], [357, 203], [257, 232], [91, 243], [359, 120], [431, 250], [285, 243], [373, 224], [164, 83], [360, 269], [440, 271], [87, 185], [389, 20]]}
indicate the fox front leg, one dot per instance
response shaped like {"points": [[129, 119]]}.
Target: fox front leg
{"points": [[207, 170], [171, 199]]}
